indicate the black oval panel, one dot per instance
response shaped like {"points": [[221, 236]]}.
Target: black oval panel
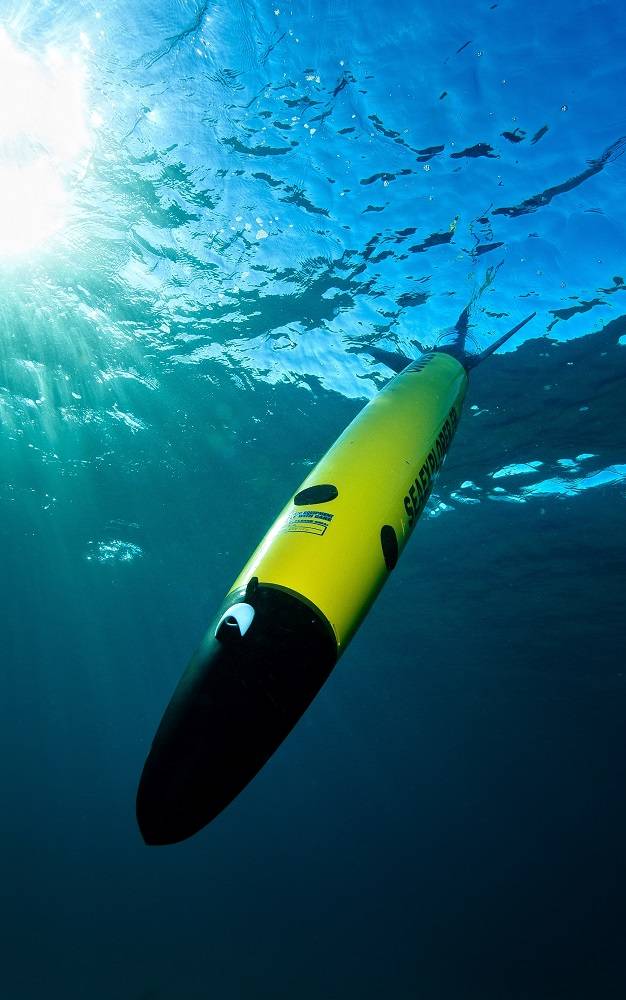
{"points": [[316, 494], [389, 543]]}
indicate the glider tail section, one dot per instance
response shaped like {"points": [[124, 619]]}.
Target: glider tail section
{"points": [[457, 349]]}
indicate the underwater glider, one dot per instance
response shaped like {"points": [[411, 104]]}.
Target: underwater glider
{"points": [[302, 595]]}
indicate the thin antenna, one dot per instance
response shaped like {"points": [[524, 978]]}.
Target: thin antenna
{"points": [[472, 362]]}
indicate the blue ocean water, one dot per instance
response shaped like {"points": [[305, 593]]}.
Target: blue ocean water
{"points": [[208, 213]]}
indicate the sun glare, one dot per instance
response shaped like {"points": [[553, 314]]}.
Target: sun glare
{"points": [[44, 142]]}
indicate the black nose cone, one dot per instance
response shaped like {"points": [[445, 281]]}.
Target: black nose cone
{"points": [[236, 702]]}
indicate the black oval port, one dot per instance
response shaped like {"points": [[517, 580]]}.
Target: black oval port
{"points": [[228, 629], [323, 493], [389, 543]]}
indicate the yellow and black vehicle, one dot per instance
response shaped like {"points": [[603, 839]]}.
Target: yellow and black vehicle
{"points": [[300, 598]]}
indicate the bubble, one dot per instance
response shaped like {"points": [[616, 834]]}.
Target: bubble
{"points": [[564, 107], [114, 550]]}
